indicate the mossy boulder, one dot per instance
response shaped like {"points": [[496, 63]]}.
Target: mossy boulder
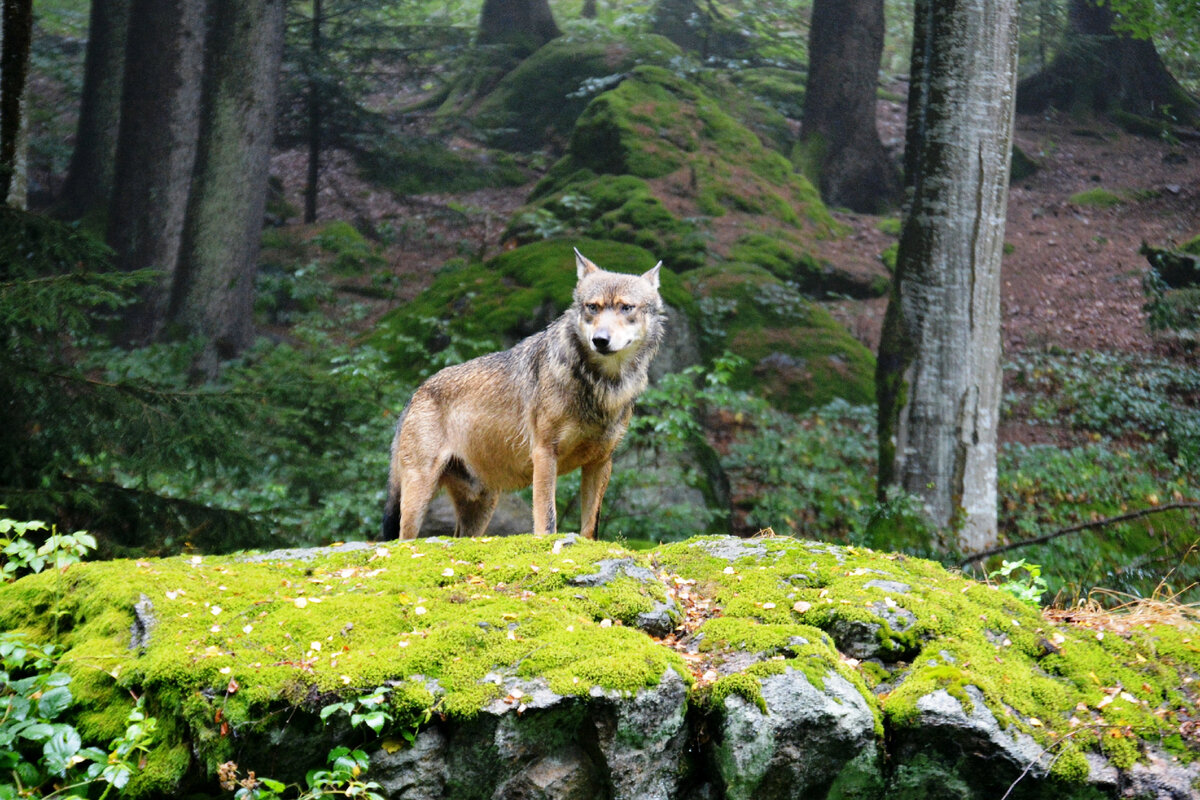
{"points": [[796, 354], [656, 124], [521, 661], [620, 208], [537, 103]]}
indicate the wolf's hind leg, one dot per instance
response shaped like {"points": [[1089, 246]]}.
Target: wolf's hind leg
{"points": [[473, 509], [417, 489]]}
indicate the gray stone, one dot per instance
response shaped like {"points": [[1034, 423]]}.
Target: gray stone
{"points": [[945, 723], [643, 740], [417, 772], [800, 747], [610, 569]]}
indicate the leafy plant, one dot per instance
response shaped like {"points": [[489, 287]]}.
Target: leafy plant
{"points": [[1027, 588], [41, 754], [60, 550]]}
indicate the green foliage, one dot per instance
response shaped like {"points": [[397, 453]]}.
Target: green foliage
{"points": [[59, 550], [1027, 588], [1113, 395], [42, 755]]}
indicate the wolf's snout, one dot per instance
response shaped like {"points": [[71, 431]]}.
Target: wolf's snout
{"points": [[601, 341]]}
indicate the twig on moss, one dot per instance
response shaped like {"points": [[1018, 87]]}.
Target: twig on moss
{"points": [[1097, 523]]}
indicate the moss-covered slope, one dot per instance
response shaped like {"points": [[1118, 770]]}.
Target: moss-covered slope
{"points": [[231, 650]]}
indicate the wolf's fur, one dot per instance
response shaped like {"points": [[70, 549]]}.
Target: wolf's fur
{"points": [[559, 400]]}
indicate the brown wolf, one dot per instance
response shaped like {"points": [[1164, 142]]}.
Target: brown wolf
{"points": [[559, 400]]}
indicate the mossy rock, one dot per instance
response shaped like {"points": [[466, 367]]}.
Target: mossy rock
{"points": [[236, 655], [538, 102], [474, 308], [785, 256], [797, 355], [424, 166], [1098, 197], [655, 124], [781, 89], [620, 208], [1022, 165]]}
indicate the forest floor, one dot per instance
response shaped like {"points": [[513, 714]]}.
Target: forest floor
{"points": [[1071, 277]]}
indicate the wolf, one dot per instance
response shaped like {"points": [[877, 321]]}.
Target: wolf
{"points": [[558, 401]]}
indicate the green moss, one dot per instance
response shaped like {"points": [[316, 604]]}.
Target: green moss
{"points": [[619, 208], [235, 641], [796, 353], [538, 102], [655, 124], [238, 643], [1098, 197]]}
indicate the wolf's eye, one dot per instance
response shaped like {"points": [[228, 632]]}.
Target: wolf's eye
{"points": [[592, 308], [627, 307]]}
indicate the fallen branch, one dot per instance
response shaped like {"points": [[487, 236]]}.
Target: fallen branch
{"points": [[1098, 523]]}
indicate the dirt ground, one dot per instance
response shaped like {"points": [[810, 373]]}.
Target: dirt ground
{"points": [[1072, 278]]}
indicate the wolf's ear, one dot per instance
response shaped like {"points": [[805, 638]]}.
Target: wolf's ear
{"points": [[652, 275], [583, 266]]}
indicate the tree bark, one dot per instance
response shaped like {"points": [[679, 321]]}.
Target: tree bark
{"points": [[16, 37], [314, 116], [213, 293], [156, 148], [842, 151], [89, 184], [1100, 70], [938, 372], [524, 24]]}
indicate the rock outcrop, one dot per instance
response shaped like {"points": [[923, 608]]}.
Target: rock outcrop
{"points": [[557, 668]]}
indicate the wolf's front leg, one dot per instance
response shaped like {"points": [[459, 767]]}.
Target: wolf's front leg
{"points": [[592, 482], [545, 476]]}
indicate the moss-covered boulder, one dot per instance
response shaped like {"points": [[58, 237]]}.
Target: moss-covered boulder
{"points": [[656, 124], [796, 353], [538, 102], [716, 667]]}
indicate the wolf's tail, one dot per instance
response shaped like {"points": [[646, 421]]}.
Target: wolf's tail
{"points": [[390, 529]]}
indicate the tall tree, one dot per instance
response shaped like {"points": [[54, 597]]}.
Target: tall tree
{"points": [[843, 153], [524, 24], [213, 291], [938, 372], [89, 182], [16, 36], [1102, 67], [156, 147]]}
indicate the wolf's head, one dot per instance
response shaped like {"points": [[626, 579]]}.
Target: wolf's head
{"points": [[618, 315]]}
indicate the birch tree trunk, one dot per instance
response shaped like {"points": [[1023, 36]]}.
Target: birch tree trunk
{"points": [[938, 372], [16, 36], [213, 292]]}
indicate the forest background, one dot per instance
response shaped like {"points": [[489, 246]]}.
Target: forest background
{"points": [[420, 159]]}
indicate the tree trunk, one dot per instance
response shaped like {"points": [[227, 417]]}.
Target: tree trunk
{"points": [[524, 24], [16, 37], [156, 148], [1100, 70], [314, 116], [89, 183], [843, 153], [213, 293], [938, 372]]}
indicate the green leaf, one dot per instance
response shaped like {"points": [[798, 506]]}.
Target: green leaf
{"points": [[54, 701], [60, 749]]}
